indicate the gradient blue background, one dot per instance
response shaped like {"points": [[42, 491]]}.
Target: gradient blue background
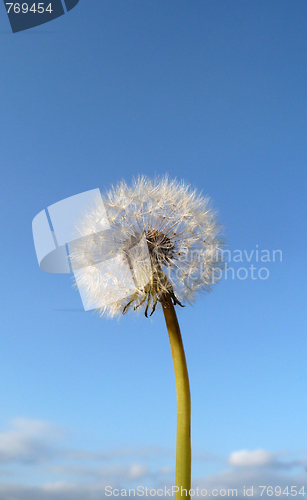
{"points": [[213, 92]]}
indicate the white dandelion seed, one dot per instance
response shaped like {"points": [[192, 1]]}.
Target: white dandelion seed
{"points": [[163, 241]]}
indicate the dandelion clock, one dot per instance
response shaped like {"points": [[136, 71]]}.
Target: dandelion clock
{"points": [[151, 246]]}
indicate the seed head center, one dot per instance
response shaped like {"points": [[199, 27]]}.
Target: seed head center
{"points": [[160, 245]]}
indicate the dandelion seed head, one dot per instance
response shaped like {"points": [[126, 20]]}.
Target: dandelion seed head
{"points": [[163, 239]]}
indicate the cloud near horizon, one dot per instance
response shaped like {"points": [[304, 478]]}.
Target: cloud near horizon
{"points": [[263, 459], [38, 447], [29, 441]]}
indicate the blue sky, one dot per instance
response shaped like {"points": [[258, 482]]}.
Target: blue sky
{"points": [[212, 92]]}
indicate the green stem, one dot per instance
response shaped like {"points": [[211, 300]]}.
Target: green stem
{"points": [[183, 445]]}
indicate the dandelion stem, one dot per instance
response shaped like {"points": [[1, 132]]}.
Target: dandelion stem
{"points": [[183, 444]]}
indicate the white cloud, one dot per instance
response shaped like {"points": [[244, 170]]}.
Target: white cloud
{"points": [[256, 458], [138, 471], [261, 458], [28, 441], [142, 453], [165, 471], [41, 444], [134, 471]]}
